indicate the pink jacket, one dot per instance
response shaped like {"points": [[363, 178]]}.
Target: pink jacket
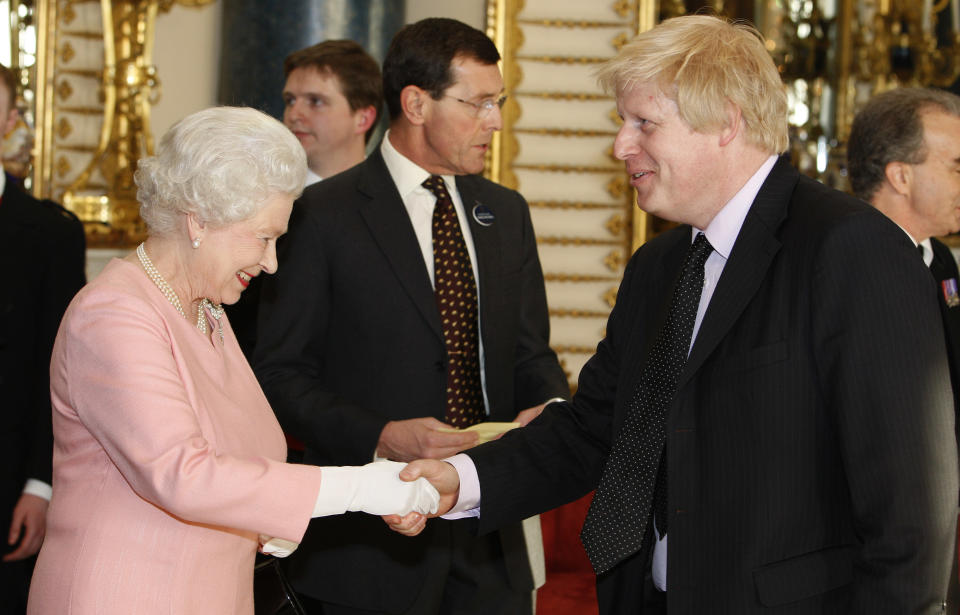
{"points": [[167, 462]]}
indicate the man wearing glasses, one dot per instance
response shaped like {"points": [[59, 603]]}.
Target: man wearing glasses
{"points": [[410, 301]]}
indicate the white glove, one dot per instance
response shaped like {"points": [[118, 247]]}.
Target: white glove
{"points": [[376, 489], [277, 547]]}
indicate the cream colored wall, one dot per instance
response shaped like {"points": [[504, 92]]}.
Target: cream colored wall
{"points": [[472, 12], [187, 56]]}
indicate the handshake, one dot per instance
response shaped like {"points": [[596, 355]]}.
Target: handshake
{"points": [[443, 478], [403, 494], [422, 488]]}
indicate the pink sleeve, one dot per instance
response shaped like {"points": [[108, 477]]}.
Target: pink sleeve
{"points": [[122, 380]]}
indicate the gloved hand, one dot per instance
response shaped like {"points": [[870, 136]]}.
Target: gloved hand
{"points": [[374, 488], [277, 547]]}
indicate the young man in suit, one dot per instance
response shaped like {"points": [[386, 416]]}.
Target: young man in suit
{"points": [[402, 310], [331, 100], [903, 157], [760, 438], [48, 245]]}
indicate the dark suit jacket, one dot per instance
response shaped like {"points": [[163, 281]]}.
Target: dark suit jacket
{"points": [[812, 462], [944, 268], [349, 338], [46, 245]]}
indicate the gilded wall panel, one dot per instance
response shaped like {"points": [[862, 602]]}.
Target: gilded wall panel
{"points": [[582, 260], [95, 84], [609, 187], [551, 40], [538, 148], [69, 94], [566, 115], [556, 148], [589, 224], [539, 76], [576, 10], [587, 297]]}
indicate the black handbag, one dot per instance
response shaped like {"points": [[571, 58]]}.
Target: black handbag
{"points": [[272, 593]]}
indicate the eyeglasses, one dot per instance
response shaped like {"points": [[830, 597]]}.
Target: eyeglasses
{"points": [[483, 108]]}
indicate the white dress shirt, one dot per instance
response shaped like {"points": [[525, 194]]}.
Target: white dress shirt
{"points": [[312, 178], [419, 202]]}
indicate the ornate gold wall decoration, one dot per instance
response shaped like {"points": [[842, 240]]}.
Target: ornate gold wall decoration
{"points": [[63, 166], [614, 261], [95, 68], [566, 277], [835, 54], [573, 205], [577, 241], [616, 224], [64, 128]]}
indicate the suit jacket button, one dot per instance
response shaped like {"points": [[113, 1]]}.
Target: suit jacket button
{"points": [[439, 365]]}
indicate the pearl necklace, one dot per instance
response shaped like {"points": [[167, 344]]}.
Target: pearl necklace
{"points": [[216, 310]]}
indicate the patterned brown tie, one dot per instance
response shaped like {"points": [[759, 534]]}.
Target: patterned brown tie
{"points": [[456, 294]]}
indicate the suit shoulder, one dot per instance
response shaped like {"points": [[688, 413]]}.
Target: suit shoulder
{"points": [[489, 189], [334, 193], [654, 251], [61, 212], [43, 213], [941, 249], [945, 265], [817, 207]]}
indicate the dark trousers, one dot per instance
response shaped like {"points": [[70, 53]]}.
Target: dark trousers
{"points": [[953, 587], [475, 583], [15, 584], [654, 600]]}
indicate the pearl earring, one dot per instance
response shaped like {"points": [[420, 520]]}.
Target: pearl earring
{"points": [[196, 243]]}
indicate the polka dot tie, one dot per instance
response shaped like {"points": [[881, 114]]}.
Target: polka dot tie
{"points": [[455, 292], [636, 469]]}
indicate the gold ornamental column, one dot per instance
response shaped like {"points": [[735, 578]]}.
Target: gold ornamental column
{"points": [[103, 194]]}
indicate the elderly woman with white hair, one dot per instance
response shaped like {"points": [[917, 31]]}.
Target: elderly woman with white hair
{"points": [[168, 467]]}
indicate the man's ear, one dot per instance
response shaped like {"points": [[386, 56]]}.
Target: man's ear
{"points": [[899, 176], [364, 119], [414, 103], [733, 123]]}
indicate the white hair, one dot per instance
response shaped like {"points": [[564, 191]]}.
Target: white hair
{"points": [[221, 164]]}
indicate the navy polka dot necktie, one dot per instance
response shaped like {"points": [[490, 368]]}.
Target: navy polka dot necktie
{"points": [[455, 292], [633, 483]]}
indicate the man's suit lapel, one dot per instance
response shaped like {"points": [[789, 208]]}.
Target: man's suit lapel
{"points": [[389, 224], [14, 236], [752, 253], [486, 244], [660, 279]]}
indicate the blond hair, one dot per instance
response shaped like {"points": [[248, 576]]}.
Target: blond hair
{"points": [[703, 63]]}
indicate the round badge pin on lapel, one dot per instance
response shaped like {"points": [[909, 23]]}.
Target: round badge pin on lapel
{"points": [[483, 215]]}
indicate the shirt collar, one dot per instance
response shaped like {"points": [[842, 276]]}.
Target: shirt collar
{"points": [[723, 230], [407, 175], [927, 251], [312, 178]]}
